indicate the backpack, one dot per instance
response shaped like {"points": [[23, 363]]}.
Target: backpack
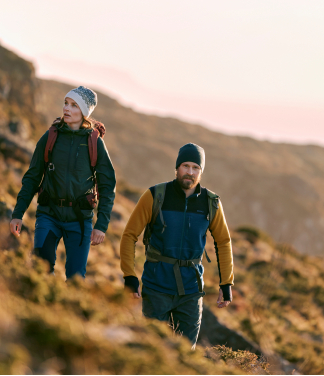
{"points": [[98, 131], [88, 201], [213, 205]]}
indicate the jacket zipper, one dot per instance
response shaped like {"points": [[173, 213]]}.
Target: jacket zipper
{"points": [[76, 158], [183, 227], [67, 170]]}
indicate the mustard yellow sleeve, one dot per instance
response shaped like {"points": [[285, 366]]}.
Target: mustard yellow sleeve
{"points": [[223, 247], [140, 217]]}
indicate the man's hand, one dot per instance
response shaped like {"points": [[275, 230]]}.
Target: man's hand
{"points": [[97, 237], [137, 295], [220, 302], [15, 227]]}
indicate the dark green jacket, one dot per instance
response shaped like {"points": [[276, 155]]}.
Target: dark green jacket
{"points": [[72, 177]]}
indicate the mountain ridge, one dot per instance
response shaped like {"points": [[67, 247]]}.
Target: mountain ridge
{"points": [[274, 186], [49, 326]]}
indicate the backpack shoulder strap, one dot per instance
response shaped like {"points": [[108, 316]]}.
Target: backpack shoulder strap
{"points": [[213, 205], [159, 194], [92, 145], [156, 209], [52, 136]]}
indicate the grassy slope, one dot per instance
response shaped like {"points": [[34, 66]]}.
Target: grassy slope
{"points": [[278, 303], [47, 326], [90, 327], [278, 299]]}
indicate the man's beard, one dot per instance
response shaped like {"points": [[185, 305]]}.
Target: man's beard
{"points": [[187, 184]]}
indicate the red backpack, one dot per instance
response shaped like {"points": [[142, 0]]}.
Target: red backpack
{"points": [[98, 131]]}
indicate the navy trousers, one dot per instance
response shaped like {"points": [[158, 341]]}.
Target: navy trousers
{"points": [[49, 231], [182, 312]]}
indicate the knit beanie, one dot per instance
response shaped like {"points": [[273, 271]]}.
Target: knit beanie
{"points": [[191, 153], [85, 98]]}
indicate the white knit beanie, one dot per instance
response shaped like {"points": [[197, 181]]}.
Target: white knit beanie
{"points": [[85, 98]]}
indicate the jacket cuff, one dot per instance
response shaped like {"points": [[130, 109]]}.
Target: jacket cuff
{"points": [[100, 227], [17, 216], [227, 292], [132, 283]]}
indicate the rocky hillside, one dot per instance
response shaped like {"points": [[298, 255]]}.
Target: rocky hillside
{"points": [[48, 326], [274, 324], [276, 187]]}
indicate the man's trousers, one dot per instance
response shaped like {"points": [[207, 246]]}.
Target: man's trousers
{"points": [[182, 312]]}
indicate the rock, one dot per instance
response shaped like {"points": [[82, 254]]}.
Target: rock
{"points": [[218, 334]]}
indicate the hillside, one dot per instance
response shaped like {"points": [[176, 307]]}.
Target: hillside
{"points": [[92, 327], [276, 187]]}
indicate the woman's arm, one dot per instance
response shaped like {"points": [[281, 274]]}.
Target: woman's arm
{"points": [[31, 179], [106, 186]]}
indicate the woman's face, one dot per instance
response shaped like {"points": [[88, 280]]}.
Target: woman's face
{"points": [[71, 111]]}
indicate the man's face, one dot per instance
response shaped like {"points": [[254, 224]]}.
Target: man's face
{"points": [[188, 175]]}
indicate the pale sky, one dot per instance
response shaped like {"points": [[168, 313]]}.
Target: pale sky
{"points": [[246, 67]]}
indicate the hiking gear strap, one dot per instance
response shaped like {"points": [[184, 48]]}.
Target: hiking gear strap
{"points": [[159, 193], [208, 259], [52, 136], [153, 255], [93, 153], [92, 145], [213, 205]]}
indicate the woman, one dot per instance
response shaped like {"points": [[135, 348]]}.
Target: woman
{"points": [[64, 209]]}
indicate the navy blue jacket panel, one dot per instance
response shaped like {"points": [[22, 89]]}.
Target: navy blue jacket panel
{"points": [[184, 238]]}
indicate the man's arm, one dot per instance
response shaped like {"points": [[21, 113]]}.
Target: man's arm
{"points": [[140, 217], [223, 248]]}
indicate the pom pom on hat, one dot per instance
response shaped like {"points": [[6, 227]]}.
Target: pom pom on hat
{"points": [[85, 98]]}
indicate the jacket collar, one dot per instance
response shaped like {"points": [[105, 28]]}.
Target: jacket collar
{"points": [[65, 129], [180, 191]]}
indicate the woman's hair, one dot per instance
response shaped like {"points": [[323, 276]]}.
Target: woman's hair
{"points": [[87, 123]]}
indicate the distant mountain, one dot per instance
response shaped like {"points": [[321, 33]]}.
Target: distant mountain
{"points": [[272, 121], [277, 187]]}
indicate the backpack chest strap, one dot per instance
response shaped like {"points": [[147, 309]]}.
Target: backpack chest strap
{"points": [[153, 255]]}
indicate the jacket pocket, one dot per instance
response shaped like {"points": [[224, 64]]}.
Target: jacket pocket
{"points": [[82, 159]]}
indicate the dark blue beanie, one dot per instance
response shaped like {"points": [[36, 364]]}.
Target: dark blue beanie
{"points": [[191, 153]]}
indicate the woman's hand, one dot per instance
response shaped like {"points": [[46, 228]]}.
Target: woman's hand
{"points": [[97, 237], [15, 227]]}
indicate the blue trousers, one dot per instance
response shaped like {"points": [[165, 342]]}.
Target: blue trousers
{"points": [[182, 312], [48, 233]]}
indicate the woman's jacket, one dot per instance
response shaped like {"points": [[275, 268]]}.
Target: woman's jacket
{"points": [[72, 177]]}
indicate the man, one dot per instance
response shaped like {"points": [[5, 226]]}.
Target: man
{"points": [[175, 239]]}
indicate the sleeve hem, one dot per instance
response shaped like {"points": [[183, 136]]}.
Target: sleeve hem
{"points": [[17, 216], [100, 228], [132, 283], [227, 292]]}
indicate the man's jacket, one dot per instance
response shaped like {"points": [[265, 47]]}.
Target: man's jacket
{"points": [[184, 238], [71, 178]]}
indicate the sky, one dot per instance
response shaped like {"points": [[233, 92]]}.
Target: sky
{"points": [[246, 67]]}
